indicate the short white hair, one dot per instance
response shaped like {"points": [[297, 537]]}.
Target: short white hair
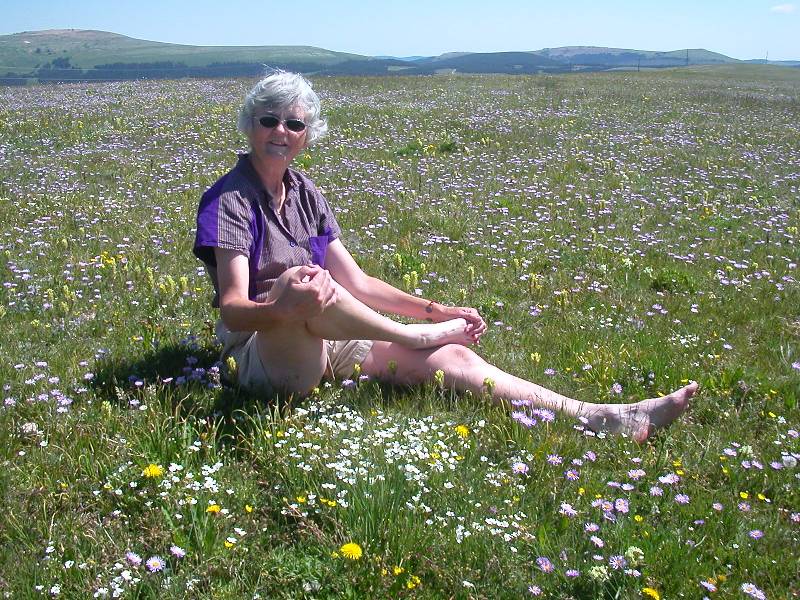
{"points": [[281, 90]]}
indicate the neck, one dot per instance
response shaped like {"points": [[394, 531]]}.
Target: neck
{"points": [[272, 178]]}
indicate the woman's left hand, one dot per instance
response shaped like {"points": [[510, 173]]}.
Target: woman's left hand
{"points": [[476, 326]]}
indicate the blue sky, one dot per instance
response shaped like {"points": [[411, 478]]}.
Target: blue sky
{"points": [[740, 29]]}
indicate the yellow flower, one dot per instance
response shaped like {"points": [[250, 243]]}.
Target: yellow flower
{"points": [[213, 509], [351, 551], [462, 430], [413, 582], [648, 591], [248, 508], [152, 470], [301, 499], [397, 570], [229, 544], [638, 518], [581, 491], [744, 495]]}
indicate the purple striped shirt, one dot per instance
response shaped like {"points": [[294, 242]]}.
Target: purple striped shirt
{"points": [[236, 213]]}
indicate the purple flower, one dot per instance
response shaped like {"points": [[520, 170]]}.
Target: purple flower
{"points": [[717, 506], [567, 510], [554, 459], [756, 534], [597, 541], [617, 562], [549, 372], [708, 586], [656, 491], [572, 573], [572, 475], [682, 499], [133, 558], [616, 388], [545, 565], [621, 505], [348, 384], [535, 590], [519, 468], [796, 365], [669, 479], [155, 564], [752, 591], [590, 455], [591, 527], [177, 551]]}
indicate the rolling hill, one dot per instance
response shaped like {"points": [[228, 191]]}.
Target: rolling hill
{"points": [[75, 55]]}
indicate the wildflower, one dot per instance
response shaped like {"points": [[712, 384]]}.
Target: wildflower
{"points": [[534, 590], [398, 570], [413, 582], [752, 591], [709, 586], [462, 431], [599, 573], [554, 459], [617, 562], [756, 534], [133, 558], [519, 468], [572, 475], [177, 551], [621, 505], [213, 509], [597, 541], [682, 499], [717, 506], [616, 388], [648, 591], [155, 564], [635, 555], [669, 479], [567, 510], [572, 573], [545, 565], [152, 471], [656, 491], [549, 372], [351, 551], [348, 384]]}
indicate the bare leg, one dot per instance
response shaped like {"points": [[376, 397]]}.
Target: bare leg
{"points": [[293, 355], [465, 370]]}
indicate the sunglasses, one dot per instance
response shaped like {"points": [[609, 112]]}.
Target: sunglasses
{"points": [[271, 122]]}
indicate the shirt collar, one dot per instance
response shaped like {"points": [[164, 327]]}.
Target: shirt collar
{"points": [[245, 167]]}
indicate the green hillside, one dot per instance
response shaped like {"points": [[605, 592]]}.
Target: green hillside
{"points": [[87, 49]]}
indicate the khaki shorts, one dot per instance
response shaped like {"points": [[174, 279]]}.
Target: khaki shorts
{"points": [[250, 372]]}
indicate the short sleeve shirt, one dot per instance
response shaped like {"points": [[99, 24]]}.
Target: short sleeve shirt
{"points": [[236, 213]]}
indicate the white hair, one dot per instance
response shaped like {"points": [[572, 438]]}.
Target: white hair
{"points": [[281, 90]]}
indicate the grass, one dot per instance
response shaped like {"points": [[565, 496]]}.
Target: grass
{"points": [[622, 233]]}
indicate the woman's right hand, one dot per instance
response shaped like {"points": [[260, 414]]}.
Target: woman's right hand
{"points": [[302, 293]]}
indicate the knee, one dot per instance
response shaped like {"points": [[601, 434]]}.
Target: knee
{"points": [[454, 355]]}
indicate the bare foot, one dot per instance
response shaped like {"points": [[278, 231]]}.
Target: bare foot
{"points": [[430, 335], [641, 419]]}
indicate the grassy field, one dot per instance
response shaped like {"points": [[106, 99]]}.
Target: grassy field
{"points": [[621, 233]]}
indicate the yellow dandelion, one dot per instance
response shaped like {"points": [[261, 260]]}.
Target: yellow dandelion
{"points": [[648, 591], [152, 470], [744, 495], [301, 499], [248, 508], [397, 570], [351, 551], [413, 582], [462, 430], [638, 518], [214, 509]]}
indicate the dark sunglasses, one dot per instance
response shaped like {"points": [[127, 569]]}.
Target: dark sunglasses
{"points": [[271, 122]]}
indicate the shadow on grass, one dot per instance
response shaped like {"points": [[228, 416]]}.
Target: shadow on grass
{"points": [[186, 379]]}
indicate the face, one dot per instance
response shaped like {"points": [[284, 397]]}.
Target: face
{"points": [[277, 143]]}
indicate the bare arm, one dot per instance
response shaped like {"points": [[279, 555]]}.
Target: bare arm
{"points": [[381, 296], [299, 294]]}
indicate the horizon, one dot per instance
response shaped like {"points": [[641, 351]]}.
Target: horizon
{"points": [[755, 30]]}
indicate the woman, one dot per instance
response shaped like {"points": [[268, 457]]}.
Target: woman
{"points": [[294, 305]]}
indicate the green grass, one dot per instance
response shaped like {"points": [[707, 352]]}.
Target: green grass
{"points": [[643, 224]]}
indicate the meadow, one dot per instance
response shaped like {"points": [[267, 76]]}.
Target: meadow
{"points": [[622, 233]]}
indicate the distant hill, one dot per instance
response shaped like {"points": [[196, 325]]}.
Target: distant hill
{"points": [[75, 55]]}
